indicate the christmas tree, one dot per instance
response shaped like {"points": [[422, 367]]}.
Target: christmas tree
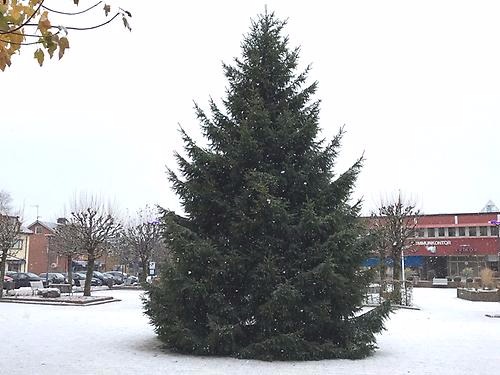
{"points": [[266, 261]]}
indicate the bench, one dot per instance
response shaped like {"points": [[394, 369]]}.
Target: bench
{"points": [[437, 281], [35, 285]]}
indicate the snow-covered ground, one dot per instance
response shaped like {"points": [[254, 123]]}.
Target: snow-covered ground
{"points": [[447, 336]]}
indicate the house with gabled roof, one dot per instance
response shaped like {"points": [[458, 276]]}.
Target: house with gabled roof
{"points": [[41, 258]]}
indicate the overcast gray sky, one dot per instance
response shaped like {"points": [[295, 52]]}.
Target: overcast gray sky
{"points": [[417, 85]]}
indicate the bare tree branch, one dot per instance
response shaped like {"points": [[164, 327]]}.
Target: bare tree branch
{"points": [[142, 239], [395, 224], [96, 231], [10, 228]]}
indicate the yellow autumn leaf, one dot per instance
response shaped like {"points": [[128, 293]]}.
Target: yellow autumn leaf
{"points": [[4, 26], [63, 44], [52, 43], [39, 56], [4, 58], [44, 23]]}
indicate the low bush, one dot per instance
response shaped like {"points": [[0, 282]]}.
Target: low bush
{"points": [[487, 280]]}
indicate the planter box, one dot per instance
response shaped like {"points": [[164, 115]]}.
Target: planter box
{"points": [[479, 295]]}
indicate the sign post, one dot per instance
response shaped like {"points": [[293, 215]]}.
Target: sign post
{"points": [[152, 268]]}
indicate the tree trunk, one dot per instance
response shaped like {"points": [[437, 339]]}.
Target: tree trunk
{"points": [[145, 272], [90, 273], [396, 255], [382, 266], [70, 271], [396, 276], [3, 261]]}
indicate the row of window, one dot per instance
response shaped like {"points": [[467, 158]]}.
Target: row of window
{"points": [[483, 231]]}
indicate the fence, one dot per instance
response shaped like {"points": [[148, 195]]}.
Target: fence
{"points": [[398, 292]]}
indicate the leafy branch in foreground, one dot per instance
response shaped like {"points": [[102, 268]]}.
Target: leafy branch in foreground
{"points": [[28, 23]]}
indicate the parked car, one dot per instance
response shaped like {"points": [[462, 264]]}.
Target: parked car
{"points": [[82, 276], [22, 279], [54, 277], [132, 280], [78, 278], [106, 279], [118, 277]]}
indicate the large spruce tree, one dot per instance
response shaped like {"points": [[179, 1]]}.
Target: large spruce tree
{"points": [[266, 261]]}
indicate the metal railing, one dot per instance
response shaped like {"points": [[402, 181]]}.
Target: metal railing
{"points": [[398, 292]]}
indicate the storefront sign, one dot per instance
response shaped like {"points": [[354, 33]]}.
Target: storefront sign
{"points": [[466, 249], [433, 243]]}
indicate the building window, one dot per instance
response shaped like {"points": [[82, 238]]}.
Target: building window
{"points": [[461, 231], [483, 231], [431, 232], [441, 232], [494, 231], [472, 231], [452, 232], [419, 232], [18, 244], [38, 229]]}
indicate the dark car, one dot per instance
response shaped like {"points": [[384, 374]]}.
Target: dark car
{"points": [[81, 276], [118, 277], [106, 279], [23, 279], [76, 279], [132, 280], [54, 277]]}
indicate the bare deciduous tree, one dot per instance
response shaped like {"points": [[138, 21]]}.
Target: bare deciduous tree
{"points": [[10, 228], [396, 221], [5, 202], [142, 239], [96, 230], [65, 242]]}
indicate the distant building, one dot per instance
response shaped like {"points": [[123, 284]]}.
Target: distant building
{"points": [[41, 258], [446, 244], [19, 254]]}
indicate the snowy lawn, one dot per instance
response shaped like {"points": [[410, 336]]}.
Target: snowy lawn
{"points": [[447, 336]]}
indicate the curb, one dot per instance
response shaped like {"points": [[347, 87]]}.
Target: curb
{"points": [[53, 302]]}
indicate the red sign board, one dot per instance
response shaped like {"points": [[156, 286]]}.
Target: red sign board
{"points": [[454, 246]]}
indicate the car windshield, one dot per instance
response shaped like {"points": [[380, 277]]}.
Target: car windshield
{"points": [[32, 275]]}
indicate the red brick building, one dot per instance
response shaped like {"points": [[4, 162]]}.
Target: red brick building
{"points": [[41, 258], [445, 244]]}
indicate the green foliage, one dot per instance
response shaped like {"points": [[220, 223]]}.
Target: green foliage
{"points": [[266, 264]]}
